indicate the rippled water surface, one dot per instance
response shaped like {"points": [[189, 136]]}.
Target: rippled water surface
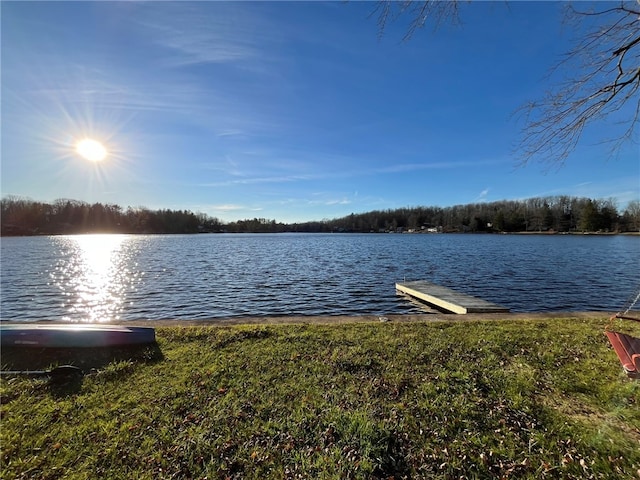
{"points": [[132, 277]]}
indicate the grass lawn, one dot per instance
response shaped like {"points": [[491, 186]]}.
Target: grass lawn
{"points": [[483, 399]]}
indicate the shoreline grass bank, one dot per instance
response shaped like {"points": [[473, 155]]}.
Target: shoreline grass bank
{"points": [[525, 397]]}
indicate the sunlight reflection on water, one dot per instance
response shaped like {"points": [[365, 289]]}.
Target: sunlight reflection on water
{"points": [[93, 276]]}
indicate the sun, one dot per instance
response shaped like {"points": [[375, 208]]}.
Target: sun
{"points": [[91, 150]]}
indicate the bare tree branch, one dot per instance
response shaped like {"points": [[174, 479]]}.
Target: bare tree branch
{"points": [[624, 48], [602, 75], [605, 67]]}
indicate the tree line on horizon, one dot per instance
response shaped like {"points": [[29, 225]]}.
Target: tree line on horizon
{"points": [[21, 217]]}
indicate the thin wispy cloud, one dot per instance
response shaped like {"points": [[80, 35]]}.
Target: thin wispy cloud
{"points": [[148, 87], [193, 38], [340, 201], [225, 208], [482, 196], [257, 180], [230, 133], [412, 167], [317, 170], [343, 201]]}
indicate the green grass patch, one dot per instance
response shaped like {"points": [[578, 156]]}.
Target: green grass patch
{"points": [[505, 399]]}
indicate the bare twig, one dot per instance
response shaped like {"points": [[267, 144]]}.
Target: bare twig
{"points": [[420, 13]]}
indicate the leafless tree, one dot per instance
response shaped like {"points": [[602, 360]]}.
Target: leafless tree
{"points": [[633, 213], [600, 75]]}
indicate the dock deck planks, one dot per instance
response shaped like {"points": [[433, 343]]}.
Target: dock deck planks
{"points": [[446, 299]]}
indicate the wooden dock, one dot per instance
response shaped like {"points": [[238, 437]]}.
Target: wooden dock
{"points": [[448, 300]]}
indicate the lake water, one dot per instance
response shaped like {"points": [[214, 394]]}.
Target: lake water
{"points": [[134, 277]]}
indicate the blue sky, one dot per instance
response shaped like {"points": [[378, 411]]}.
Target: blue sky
{"points": [[288, 111]]}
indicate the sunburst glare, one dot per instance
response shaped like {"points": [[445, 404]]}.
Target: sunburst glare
{"points": [[74, 124], [91, 150]]}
